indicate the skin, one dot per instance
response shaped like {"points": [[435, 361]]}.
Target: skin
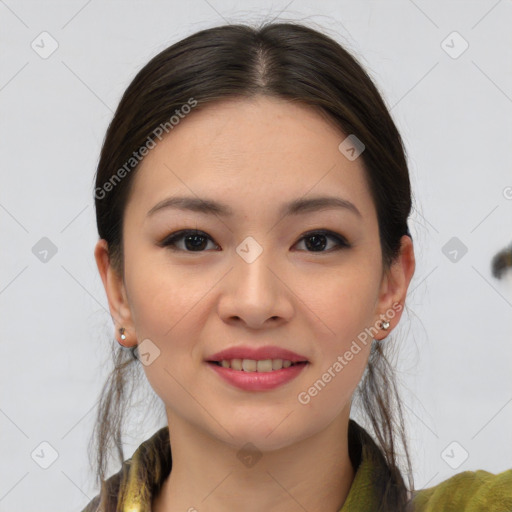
{"points": [[253, 154]]}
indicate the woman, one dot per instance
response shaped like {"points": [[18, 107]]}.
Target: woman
{"points": [[252, 199]]}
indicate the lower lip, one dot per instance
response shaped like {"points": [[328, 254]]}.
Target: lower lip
{"points": [[258, 381]]}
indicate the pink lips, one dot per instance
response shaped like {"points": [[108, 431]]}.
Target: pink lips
{"points": [[257, 381], [260, 353]]}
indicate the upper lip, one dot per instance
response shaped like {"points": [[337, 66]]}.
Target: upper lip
{"points": [[259, 353]]}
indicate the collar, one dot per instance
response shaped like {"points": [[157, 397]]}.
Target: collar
{"points": [[141, 476]]}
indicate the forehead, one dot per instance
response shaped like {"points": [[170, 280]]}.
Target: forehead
{"points": [[251, 153]]}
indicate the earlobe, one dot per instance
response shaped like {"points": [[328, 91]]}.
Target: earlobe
{"points": [[395, 285], [114, 289]]}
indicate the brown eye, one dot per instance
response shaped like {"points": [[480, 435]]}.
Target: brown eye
{"points": [[194, 240], [197, 241], [316, 241]]}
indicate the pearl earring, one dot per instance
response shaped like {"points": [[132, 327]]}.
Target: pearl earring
{"points": [[384, 325]]}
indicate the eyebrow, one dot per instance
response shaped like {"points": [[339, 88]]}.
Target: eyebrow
{"points": [[296, 207]]}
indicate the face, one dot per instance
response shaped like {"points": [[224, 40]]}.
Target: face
{"points": [[308, 280]]}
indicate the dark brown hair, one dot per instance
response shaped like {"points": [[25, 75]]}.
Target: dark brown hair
{"points": [[284, 60]]}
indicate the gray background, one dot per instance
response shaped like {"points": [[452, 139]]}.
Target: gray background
{"points": [[453, 110]]}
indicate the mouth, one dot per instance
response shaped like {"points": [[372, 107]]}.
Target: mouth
{"points": [[256, 359], [259, 366], [255, 375]]}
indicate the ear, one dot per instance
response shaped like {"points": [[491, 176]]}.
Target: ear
{"points": [[395, 283], [116, 294]]}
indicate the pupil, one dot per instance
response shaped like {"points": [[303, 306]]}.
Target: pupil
{"points": [[196, 241], [317, 242]]}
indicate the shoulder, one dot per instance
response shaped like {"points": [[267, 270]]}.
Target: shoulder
{"points": [[469, 491], [140, 475]]}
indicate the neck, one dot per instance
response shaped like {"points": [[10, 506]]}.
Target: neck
{"points": [[314, 474]]}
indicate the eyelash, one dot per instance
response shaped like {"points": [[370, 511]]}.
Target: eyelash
{"points": [[170, 241]]}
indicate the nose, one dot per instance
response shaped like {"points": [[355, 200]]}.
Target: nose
{"points": [[255, 294]]}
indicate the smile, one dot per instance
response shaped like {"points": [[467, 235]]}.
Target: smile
{"points": [[253, 365], [246, 373]]}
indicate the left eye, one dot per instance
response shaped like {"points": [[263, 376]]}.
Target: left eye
{"points": [[195, 240], [193, 237], [318, 237]]}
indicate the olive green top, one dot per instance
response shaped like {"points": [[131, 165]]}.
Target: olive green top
{"points": [[141, 476]]}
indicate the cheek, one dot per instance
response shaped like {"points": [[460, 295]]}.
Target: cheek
{"points": [[342, 353], [343, 301], [162, 296], [344, 310], [331, 388]]}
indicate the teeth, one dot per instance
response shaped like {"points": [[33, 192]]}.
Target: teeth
{"points": [[251, 365]]}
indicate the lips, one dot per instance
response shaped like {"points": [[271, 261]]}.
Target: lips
{"points": [[258, 354]]}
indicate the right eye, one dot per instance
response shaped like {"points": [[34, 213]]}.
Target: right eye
{"points": [[193, 239]]}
